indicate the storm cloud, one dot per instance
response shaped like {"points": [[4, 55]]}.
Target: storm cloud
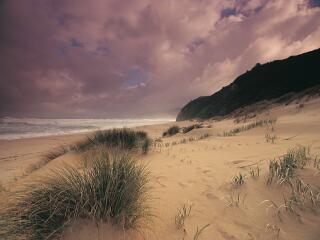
{"points": [[109, 58]]}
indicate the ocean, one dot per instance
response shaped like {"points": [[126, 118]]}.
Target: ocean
{"points": [[16, 128]]}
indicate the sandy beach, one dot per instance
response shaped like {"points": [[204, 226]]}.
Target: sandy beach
{"points": [[195, 170]]}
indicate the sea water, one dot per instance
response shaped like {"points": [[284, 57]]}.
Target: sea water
{"points": [[15, 128]]}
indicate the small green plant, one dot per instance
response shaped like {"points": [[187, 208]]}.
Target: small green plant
{"points": [[238, 180], [284, 169], [181, 216], [171, 131]]}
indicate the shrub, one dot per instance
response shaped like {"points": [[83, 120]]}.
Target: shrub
{"points": [[122, 138], [113, 188], [171, 131]]}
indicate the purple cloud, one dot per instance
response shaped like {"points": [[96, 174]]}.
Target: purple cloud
{"points": [[128, 59]]}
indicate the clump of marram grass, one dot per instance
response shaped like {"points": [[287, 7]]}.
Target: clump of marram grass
{"points": [[284, 169], [121, 138], [112, 188], [171, 131]]}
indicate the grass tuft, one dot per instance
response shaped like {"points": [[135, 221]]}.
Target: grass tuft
{"points": [[55, 153], [255, 172], [238, 180], [112, 189], [191, 127], [171, 131], [181, 216], [120, 138], [236, 201], [249, 126], [48, 157], [284, 169]]}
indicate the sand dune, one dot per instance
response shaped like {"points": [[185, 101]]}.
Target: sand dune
{"points": [[195, 170]]}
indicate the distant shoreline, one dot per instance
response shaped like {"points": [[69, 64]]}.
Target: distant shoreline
{"points": [[31, 128]]}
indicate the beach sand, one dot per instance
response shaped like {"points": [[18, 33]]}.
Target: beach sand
{"points": [[198, 174]]}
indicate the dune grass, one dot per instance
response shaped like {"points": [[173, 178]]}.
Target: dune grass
{"points": [[284, 169], [303, 195], [247, 127], [199, 231], [112, 188], [255, 172], [191, 127], [46, 158], [236, 201], [171, 131], [238, 180], [182, 215], [121, 138], [55, 153], [2, 188]]}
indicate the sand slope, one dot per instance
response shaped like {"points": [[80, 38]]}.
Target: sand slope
{"points": [[199, 174]]}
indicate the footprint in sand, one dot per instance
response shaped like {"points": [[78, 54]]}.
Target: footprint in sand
{"points": [[238, 161], [226, 235], [211, 196], [182, 184]]}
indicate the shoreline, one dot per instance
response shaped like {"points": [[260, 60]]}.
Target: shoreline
{"points": [[79, 133]]}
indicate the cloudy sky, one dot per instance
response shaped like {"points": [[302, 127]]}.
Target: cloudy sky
{"points": [[111, 58]]}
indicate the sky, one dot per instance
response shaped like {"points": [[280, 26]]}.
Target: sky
{"points": [[139, 58]]}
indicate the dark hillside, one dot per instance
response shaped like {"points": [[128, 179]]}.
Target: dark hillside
{"points": [[263, 82]]}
